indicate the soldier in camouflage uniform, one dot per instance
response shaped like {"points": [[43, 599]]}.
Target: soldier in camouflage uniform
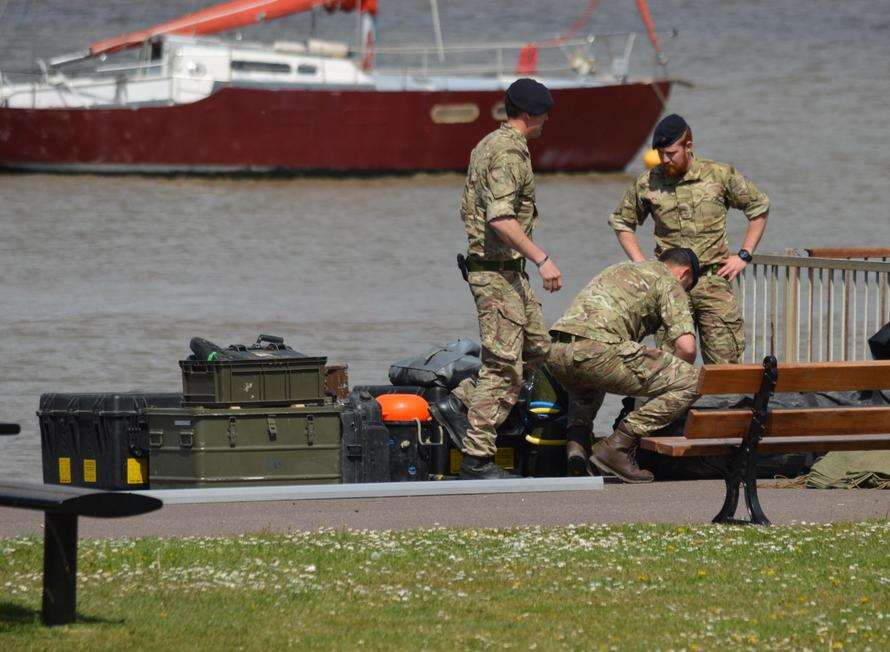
{"points": [[499, 214], [596, 349], [688, 198]]}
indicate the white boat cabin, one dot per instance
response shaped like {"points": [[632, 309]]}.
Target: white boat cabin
{"points": [[179, 69]]}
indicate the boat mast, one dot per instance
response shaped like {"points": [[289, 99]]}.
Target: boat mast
{"points": [[437, 28], [227, 16]]}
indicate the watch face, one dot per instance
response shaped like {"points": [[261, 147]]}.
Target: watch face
{"points": [[744, 255]]}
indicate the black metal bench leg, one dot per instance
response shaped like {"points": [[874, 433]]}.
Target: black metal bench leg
{"points": [[59, 568], [752, 502], [733, 478], [730, 503], [742, 465]]}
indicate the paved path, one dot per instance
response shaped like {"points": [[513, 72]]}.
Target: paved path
{"points": [[662, 502]]}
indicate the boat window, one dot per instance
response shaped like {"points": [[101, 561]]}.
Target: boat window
{"points": [[307, 69], [260, 66], [498, 112], [450, 114]]}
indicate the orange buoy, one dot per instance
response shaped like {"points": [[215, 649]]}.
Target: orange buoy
{"points": [[651, 158], [404, 407]]}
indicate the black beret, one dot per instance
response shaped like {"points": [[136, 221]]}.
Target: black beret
{"points": [[530, 96], [693, 264], [668, 131]]}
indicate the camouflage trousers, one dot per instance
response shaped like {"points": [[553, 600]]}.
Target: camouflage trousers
{"points": [[514, 342], [721, 331], [589, 370]]}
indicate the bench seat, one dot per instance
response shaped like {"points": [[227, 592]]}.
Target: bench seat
{"points": [[684, 447], [741, 434]]}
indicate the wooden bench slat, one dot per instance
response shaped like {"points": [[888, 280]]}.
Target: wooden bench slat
{"points": [[789, 422], [796, 377], [683, 447]]}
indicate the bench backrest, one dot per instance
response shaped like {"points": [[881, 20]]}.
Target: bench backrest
{"points": [[796, 377], [790, 422], [839, 421]]}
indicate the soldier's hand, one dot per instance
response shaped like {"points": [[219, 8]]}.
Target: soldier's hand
{"points": [[551, 275], [731, 267]]}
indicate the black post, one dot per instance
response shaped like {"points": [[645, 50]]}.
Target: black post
{"points": [[59, 568]]}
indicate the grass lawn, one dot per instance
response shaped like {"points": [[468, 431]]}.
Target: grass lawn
{"points": [[642, 587]]}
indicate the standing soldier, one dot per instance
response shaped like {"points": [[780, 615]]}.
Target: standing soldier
{"points": [[596, 349], [499, 214], [688, 198]]}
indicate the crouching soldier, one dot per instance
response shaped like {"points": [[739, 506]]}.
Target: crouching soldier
{"points": [[596, 349]]}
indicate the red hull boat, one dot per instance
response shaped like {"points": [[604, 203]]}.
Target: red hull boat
{"points": [[292, 108]]}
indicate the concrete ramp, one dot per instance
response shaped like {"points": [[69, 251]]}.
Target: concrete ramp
{"points": [[371, 490]]}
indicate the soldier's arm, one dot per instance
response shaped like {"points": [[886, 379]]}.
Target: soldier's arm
{"points": [[630, 212], [630, 244], [676, 316], [504, 183], [684, 347], [513, 236], [744, 195]]}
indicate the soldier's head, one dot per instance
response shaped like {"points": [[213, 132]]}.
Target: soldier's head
{"points": [[683, 264], [672, 139], [528, 103]]}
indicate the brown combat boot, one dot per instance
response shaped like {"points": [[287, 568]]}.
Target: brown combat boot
{"points": [[576, 451], [617, 454]]}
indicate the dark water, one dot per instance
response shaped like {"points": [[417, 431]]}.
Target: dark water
{"points": [[105, 279]]}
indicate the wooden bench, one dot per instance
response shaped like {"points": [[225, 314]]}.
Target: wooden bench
{"points": [[61, 506], [743, 434]]}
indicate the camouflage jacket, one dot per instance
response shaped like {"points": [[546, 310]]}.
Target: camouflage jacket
{"points": [[690, 211], [627, 302], [500, 182]]}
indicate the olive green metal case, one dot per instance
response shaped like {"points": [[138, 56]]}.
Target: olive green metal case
{"points": [[217, 447]]}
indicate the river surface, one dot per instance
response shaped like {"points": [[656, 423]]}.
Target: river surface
{"points": [[105, 279]]}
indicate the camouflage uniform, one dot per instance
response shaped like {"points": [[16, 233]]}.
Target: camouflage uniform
{"points": [[691, 212], [610, 316], [500, 183]]}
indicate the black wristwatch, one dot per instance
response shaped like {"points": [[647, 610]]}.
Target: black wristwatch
{"points": [[745, 255]]}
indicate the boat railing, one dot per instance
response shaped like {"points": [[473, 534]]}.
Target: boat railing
{"points": [[602, 55], [815, 305], [141, 67]]}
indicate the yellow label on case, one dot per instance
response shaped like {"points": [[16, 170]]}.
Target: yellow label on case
{"points": [[64, 470], [137, 470], [89, 471], [504, 457], [455, 461]]}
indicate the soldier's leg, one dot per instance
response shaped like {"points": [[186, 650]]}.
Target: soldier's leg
{"points": [[536, 342], [719, 318], [501, 320], [464, 390], [585, 399], [636, 370], [669, 381]]}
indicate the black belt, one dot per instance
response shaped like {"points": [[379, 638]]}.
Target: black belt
{"points": [[559, 336], [480, 265]]}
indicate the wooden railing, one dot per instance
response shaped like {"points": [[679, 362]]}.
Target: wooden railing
{"points": [[815, 308]]}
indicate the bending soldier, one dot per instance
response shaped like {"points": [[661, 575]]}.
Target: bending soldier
{"points": [[596, 349], [688, 198], [499, 214]]}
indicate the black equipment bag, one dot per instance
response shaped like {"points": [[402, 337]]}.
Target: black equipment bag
{"points": [[879, 343], [442, 366], [266, 347]]}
